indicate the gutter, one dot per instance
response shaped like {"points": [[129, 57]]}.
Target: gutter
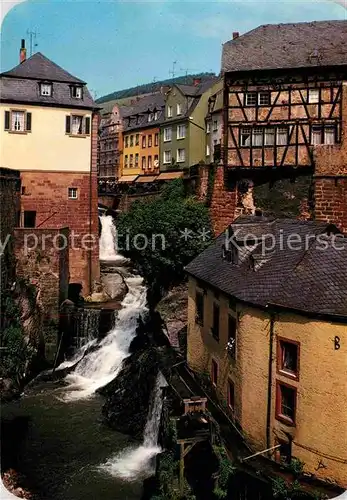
{"points": [[90, 204], [269, 386]]}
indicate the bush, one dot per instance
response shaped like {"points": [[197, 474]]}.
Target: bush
{"points": [[170, 217]]}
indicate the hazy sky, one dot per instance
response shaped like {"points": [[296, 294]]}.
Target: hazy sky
{"points": [[115, 44]]}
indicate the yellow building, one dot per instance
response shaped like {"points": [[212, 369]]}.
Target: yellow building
{"points": [[48, 131], [269, 326], [141, 139]]}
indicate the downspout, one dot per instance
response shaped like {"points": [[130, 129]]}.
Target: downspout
{"points": [[269, 387], [90, 200]]}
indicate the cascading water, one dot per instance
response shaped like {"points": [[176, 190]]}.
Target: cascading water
{"points": [[87, 326], [134, 463], [99, 367], [108, 240]]}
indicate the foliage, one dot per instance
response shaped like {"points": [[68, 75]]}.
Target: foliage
{"points": [[287, 491], [15, 352], [296, 466], [162, 221], [225, 470]]}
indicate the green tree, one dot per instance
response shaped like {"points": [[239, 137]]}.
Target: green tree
{"points": [[173, 225]]}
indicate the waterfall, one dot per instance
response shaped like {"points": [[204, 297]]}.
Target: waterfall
{"points": [[138, 463], [86, 327], [108, 239], [99, 367]]}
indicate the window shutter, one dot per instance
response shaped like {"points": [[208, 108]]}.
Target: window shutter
{"points": [[7, 120], [87, 125], [28, 124], [68, 124]]}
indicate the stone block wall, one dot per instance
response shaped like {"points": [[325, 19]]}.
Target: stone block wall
{"points": [[43, 260], [10, 206]]}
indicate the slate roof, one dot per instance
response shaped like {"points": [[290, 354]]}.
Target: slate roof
{"points": [[310, 277], [39, 67], [136, 115], [22, 84], [293, 45]]}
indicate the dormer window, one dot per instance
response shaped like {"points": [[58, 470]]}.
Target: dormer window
{"points": [[156, 115], [46, 89], [76, 92], [150, 117]]}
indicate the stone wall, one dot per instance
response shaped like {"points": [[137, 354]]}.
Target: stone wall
{"points": [[10, 206], [42, 260], [331, 177]]}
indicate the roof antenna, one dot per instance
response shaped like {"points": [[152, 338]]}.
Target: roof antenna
{"points": [[33, 44], [172, 72]]}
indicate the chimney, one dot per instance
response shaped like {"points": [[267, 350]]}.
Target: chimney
{"points": [[196, 82], [22, 52], [236, 34]]}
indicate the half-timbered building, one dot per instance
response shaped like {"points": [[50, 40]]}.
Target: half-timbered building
{"points": [[282, 100]]}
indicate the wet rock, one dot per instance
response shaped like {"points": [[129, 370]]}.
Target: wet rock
{"points": [[115, 285]]}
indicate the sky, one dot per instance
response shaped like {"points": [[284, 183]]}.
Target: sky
{"points": [[115, 44]]}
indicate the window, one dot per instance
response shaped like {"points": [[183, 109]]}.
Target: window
{"points": [[143, 141], [131, 161], [72, 193], [316, 134], [245, 137], [46, 89], [208, 152], [136, 160], [150, 141], [329, 134], [77, 125], [264, 98], [179, 109], [214, 372], [313, 96], [126, 164], [76, 92], [29, 218], [167, 134], [231, 346], [156, 139], [251, 99], [167, 157], [137, 139], [288, 358], [126, 141], [231, 394], [143, 163], [282, 136], [156, 115], [156, 161], [199, 302], [257, 136], [17, 121], [215, 321], [285, 403], [181, 155], [208, 127], [215, 125], [269, 136], [131, 141], [149, 163], [151, 117], [169, 111], [181, 131]]}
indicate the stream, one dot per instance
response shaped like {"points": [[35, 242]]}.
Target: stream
{"points": [[54, 434]]}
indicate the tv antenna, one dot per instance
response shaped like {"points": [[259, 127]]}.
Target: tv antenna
{"points": [[188, 70], [172, 72], [32, 41]]}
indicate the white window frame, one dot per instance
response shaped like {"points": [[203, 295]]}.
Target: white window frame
{"points": [[179, 109], [179, 159], [208, 127], [72, 193], [269, 136], [76, 92], [266, 94], [332, 131], [165, 160], [316, 133], [215, 126], [245, 131], [151, 117], [282, 132], [313, 96], [156, 115], [167, 131], [257, 136], [15, 123], [180, 127], [169, 111], [46, 89], [250, 99], [208, 150]]}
